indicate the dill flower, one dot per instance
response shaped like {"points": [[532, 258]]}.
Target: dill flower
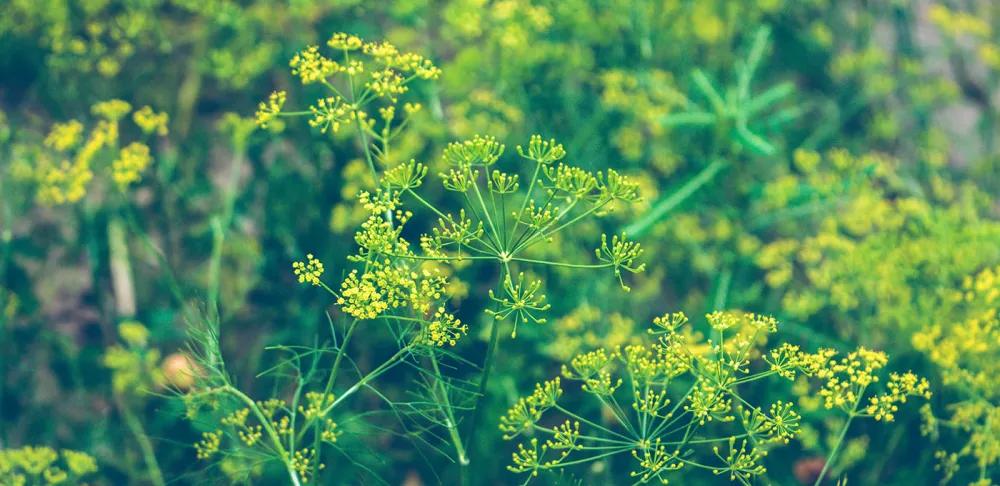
{"points": [[387, 84], [79, 463], [360, 297], [309, 271], [149, 121], [311, 67], [208, 446], [270, 110], [329, 113], [345, 42], [657, 435], [112, 110], [543, 152], [620, 255], [302, 461], [444, 328], [132, 160], [483, 151], [64, 136], [66, 183]]}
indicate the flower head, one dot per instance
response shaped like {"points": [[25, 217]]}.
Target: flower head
{"points": [[309, 271]]}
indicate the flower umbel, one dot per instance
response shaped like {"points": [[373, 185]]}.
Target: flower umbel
{"points": [[309, 271]]}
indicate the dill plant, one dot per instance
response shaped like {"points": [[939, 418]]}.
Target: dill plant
{"points": [[89, 170], [32, 466], [819, 236], [399, 285], [963, 348], [648, 415]]}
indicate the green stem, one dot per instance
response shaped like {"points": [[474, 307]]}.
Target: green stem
{"points": [[477, 409], [546, 232], [370, 376], [559, 264], [148, 454], [340, 356], [450, 422], [486, 212], [527, 197], [425, 203], [368, 152], [271, 433], [664, 206], [220, 228], [836, 448]]}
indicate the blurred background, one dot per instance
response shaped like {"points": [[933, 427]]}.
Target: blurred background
{"points": [[853, 195]]}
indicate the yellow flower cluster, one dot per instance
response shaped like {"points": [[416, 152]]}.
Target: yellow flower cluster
{"points": [[18, 466], [208, 445], [523, 415], [329, 113], [64, 136], [311, 67], [149, 121], [445, 328], [302, 463], [135, 369], [269, 111], [131, 162], [316, 404], [847, 379], [344, 42], [66, 183], [963, 346], [716, 369], [956, 23], [360, 297], [309, 271], [248, 434], [111, 110]]}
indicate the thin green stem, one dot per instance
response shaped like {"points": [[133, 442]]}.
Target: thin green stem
{"points": [[340, 356], [544, 233], [271, 433], [486, 212], [527, 197], [368, 152], [477, 409], [145, 445], [425, 203], [370, 376], [593, 424], [589, 459], [836, 449], [450, 423], [560, 264], [665, 206], [220, 227]]}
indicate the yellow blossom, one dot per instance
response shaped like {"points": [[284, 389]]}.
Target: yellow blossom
{"points": [[131, 161], [149, 121], [309, 272]]}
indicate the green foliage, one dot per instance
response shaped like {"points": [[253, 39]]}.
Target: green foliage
{"points": [[327, 242]]}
